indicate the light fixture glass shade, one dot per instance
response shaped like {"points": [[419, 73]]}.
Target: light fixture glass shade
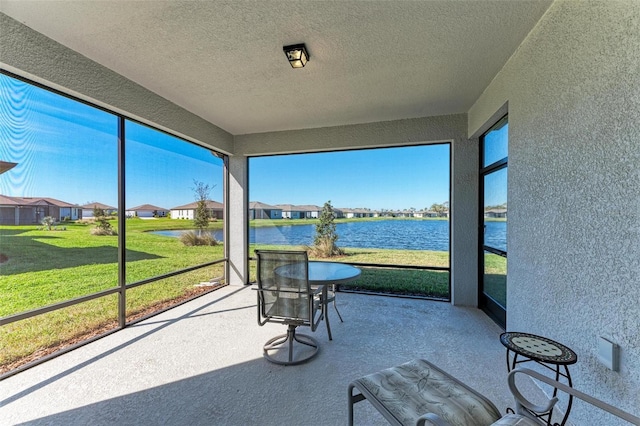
{"points": [[297, 55]]}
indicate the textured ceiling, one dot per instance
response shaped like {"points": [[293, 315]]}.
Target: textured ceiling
{"points": [[223, 60]]}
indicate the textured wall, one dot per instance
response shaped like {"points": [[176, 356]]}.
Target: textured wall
{"points": [[34, 56], [573, 90], [464, 172]]}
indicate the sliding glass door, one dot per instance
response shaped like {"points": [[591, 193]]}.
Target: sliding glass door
{"points": [[493, 209]]}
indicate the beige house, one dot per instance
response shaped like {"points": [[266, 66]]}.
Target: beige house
{"points": [[87, 209], [147, 211], [188, 211]]}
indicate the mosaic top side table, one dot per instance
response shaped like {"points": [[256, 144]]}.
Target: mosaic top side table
{"points": [[544, 351]]}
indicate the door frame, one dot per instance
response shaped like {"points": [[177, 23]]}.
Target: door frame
{"points": [[493, 309]]}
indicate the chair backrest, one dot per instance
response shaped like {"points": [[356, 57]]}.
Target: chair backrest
{"points": [[284, 293]]}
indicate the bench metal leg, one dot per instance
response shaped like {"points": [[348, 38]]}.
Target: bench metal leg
{"points": [[352, 400]]}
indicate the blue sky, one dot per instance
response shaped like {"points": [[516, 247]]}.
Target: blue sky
{"points": [[384, 178], [68, 150]]}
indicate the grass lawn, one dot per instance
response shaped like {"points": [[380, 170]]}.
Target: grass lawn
{"points": [[495, 278], [46, 267], [387, 280]]}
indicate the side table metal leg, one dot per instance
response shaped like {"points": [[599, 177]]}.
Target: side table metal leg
{"points": [[570, 403]]}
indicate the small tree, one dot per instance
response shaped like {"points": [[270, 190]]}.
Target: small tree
{"points": [[103, 227], [324, 243], [201, 218], [202, 215], [98, 212], [48, 222]]}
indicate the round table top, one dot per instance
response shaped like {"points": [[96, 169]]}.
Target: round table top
{"points": [[538, 348], [331, 272]]}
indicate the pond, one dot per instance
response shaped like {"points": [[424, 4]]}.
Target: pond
{"points": [[389, 234]]}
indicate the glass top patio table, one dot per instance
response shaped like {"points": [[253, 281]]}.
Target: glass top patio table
{"points": [[322, 273]]}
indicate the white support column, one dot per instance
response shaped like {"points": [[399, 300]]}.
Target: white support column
{"points": [[238, 220]]}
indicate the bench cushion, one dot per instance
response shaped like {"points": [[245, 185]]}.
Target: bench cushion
{"points": [[515, 420], [406, 392]]}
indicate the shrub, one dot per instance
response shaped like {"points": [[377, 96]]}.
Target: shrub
{"points": [[325, 247], [48, 222], [103, 227], [324, 243], [191, 238]]}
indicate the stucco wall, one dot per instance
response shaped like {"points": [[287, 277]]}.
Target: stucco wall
{"points": [[32, 55], [464, 172], [573, 90]]}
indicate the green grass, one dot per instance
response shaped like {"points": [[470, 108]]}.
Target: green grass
{"points": [[495, 277], [387, 280], [46, 267]]}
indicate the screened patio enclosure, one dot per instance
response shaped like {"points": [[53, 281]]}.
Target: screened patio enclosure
{"points": [[563, 71]]}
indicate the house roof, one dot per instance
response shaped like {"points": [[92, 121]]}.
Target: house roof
{"points": [[309, 208], [299, 208], [5, 166], [222, 60], [33, 201], [209, 203], [146, 207], [98, 206], [262, 206]]}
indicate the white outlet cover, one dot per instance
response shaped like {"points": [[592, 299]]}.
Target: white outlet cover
{"points": [[608, 353]]}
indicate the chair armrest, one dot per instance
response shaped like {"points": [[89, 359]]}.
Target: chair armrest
{"points": [[431, 419], [521, 400]]}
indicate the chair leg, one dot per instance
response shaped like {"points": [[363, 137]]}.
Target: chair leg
{"points": [[336, 308], [287, 341], [326, 319]]}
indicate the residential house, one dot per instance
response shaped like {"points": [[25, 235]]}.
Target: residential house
{"points": [[87, 209], [188, 211], [258, 210], [496, 213], [425, 213], [357, 213], [31, 210], [289, 211], [147, 211], [310, 211]]}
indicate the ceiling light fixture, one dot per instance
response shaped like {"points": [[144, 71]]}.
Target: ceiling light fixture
{"points": [[297, 55]]}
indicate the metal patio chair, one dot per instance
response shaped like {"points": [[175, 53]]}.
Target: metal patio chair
{"points": [[285, 297]]}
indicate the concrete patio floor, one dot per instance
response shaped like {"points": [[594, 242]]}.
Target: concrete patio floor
{"points": [[201, 363]]}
